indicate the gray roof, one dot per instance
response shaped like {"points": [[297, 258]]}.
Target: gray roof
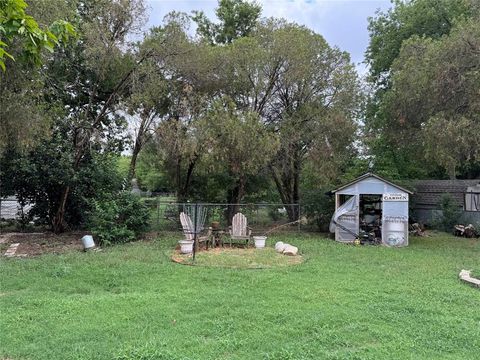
{"points": [[428, 193], [367, 175]]}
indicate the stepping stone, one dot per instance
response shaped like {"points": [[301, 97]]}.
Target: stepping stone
{"points": [[11, 250]]}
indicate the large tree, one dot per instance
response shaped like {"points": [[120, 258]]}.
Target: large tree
{"points": [[434, 96], [236, 143], [304, 91], [88, 79], [390, 139]]}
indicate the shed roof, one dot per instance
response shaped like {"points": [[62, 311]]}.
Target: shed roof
{"points": [[368, 175]]}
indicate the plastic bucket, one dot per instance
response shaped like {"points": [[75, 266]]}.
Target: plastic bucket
{"points": [[186, 246], [259, 241], [88, 242]]}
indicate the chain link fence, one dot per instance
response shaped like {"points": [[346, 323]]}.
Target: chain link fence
{"points": [[165, 216]]}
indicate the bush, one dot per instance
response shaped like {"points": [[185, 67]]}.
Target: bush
{"points": [[318, 207], [120, 219], [450, 214]]}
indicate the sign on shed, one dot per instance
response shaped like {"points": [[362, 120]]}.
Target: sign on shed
{"points": [[395, 197]]}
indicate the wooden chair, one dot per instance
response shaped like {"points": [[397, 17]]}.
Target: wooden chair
{"points": [[189, 230], [239, 230]]}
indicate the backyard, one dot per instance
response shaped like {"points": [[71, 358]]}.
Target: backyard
{"points": [[343, 302]]}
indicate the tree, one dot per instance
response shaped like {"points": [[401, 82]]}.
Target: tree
{"points": [[238, 18], [424, 18], [238, 142], [389, 147], [152, 84], [24, 115], [17, 26], [434, 96], [305, 92], [37, 177], [95, 72]]}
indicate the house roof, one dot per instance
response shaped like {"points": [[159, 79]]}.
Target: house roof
{"points": [[367, 175], [428, 193]]}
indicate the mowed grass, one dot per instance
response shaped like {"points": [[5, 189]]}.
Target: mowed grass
{"points": [[342, 302]]}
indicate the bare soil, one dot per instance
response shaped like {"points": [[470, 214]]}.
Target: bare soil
{"points": [[34, 244]]}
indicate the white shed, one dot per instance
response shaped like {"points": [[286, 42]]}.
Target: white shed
{"points": [[373, 208]]}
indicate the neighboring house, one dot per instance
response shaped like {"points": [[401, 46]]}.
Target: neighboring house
{"points": [[10, 208], [428, 195]]}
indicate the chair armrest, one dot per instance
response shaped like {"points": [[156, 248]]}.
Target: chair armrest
{"points": [[249, 231]]}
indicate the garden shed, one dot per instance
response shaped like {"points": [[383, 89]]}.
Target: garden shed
{"points": [[371, 207]]}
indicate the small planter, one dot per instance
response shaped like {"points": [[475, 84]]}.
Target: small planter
{"points": [[259, 241], [215, 225], [186, 246]]}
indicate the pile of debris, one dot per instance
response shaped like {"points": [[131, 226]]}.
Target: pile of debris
{"points": [[468, 231], [417, 229]]}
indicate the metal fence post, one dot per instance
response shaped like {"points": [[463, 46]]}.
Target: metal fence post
{"points": [[299, 216], [158, 212], [195, 230]]}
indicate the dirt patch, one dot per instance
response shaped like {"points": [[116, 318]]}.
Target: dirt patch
{"points": [[34, 244], [237, 258]]}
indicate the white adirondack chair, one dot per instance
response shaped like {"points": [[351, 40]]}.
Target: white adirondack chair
{"points": [[239, 229], [189, 230]]}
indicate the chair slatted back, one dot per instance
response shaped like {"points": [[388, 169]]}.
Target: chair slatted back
{"points": [[239, 225], [187, 226]]}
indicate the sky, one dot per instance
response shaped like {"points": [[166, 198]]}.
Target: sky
{"points": [[343, 23]]}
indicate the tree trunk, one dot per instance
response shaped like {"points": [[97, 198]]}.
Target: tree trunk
{"points": [[286, 175], [58, 223], [183, 186], [235, 197], [133, 161]]}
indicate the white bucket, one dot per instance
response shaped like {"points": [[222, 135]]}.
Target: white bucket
{"points": [[259, 241], [87, 242], [186, 246]]}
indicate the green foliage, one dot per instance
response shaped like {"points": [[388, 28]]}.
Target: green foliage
{"points": [[423, 99], [425, 18], [123, 164], [238, 18], [450, 214], [318, 207], [118, 218], [16, 24], [36, 177]]}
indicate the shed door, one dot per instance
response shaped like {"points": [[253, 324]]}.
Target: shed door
{"points": [[346, 219]]}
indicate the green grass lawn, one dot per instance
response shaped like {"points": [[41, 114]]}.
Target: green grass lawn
{"points": [[342, 302]]}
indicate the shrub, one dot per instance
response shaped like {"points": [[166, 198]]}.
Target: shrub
{"points": [[450, 214], [118, 219], [318, 207]]}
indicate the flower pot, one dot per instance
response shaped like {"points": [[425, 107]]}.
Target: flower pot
{"points": [[186, 246], [215, 225], [259, 241]]}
